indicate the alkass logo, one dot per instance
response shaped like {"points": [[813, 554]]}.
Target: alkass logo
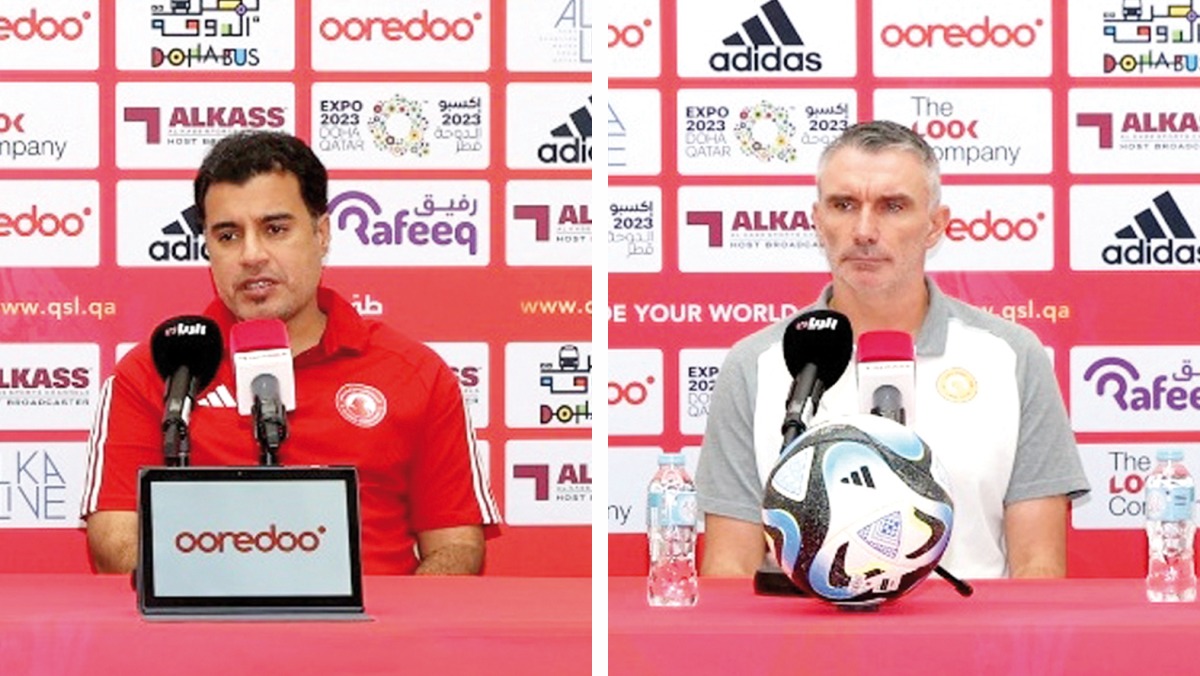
{"points": [[748, 222], [395, 29], [1146, 243], [36, 221], [573, 222], [185, 239], [185, 122], [1120, 380], [573, 482], [981, 34], [576, 150], [468, 376], [765, 51], [270, 540], [1160, 125], [631, 36], [61, 378], [999, 228], [34, 27]]}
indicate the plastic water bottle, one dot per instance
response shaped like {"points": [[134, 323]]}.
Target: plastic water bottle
{"points": [[1170, 492], [671, 527]]}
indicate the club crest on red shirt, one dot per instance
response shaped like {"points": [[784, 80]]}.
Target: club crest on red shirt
{"points": [[361, 405]]}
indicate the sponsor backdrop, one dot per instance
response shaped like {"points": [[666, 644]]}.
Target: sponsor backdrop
{"points": [[458, 137], [1068, 140]]}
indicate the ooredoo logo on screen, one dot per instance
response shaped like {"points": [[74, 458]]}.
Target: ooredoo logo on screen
{"points": [[266, 541]]}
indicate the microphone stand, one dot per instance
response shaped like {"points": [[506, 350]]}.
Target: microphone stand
{"points": [[270, 428]]}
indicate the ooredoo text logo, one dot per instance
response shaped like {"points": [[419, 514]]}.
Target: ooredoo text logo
{"points": [[994, 227], [37, 221], [395, 28], [266, 541], [630, 36], [34, 26], [983, 33]]}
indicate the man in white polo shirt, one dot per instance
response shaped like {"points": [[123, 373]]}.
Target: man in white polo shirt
{"points": [[989, 404]]}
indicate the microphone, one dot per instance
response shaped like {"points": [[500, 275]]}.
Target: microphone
{"points": [[265, 381], [887, 375], [816, 347], [187, 351]]}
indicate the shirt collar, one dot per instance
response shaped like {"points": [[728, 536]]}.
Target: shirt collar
{"points": [[344, 328], [931, 339]]}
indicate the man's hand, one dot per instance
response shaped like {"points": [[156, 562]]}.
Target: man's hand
{"points": [[732, 547], [1035, 532], [451, 551], [113, 540]]}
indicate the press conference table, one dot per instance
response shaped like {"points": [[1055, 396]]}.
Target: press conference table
{"points": [[85, 624], [1076, 626]]}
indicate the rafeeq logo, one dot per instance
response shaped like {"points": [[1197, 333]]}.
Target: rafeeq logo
{"points": [[244, 542]]}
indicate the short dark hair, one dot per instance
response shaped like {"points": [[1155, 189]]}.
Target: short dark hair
{"points": [[880, 135], [241, 156]]}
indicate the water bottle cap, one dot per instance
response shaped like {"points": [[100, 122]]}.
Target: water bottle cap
{"points": [[1172, 454], [670, 459]]}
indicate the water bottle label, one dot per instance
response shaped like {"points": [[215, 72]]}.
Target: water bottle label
{"points": [[679, 509], [1170, 504]]}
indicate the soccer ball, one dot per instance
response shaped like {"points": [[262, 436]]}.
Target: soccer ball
{"points": [[857, 511]]}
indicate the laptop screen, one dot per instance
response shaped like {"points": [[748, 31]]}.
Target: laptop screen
{"points": [[252, 539]]}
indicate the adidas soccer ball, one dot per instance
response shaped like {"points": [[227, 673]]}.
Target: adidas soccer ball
{"points": [[856, 510]]}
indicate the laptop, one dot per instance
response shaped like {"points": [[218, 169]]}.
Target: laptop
{"points": [[249, 543]]}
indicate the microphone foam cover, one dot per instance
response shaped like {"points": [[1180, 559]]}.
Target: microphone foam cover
{"points": [[885, 346], [258, 334], [820, 337], [188, 340]]}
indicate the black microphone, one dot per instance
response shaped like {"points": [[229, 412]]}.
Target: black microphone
{"points": [[817, 347], [270, 417], [187, 352]]}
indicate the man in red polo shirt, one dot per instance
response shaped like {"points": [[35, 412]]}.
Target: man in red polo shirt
{"points": [[365, 395]]}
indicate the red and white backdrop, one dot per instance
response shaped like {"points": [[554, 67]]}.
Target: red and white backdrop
{"points": [[458, 138], [1069, 142]]}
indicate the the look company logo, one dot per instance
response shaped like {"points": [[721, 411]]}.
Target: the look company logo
{"points": [[1145, 131], [359, 212], [183, 241], [1119, 379], [983, 33], [207, 125], [1145, 243], [572, 224], [213, 19], [38, 222], [244, 542], [43, 27], [573, 483], [394, 28], [576, 148], [775, 229], [768, 50]]}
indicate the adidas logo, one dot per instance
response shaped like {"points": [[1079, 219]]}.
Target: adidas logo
{"points": [[1149, 244], [218, 398], [578, 149], [860, 477], [765, 52], [190, 247]]}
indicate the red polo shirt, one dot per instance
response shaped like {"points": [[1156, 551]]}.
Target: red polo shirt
{"points": [[365, 396]]}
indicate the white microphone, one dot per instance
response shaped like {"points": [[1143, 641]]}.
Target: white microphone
{"points": [[887, 376], [261, 346]]}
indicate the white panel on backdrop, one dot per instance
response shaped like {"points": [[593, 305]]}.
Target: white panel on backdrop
{"points": [[158, 225], [635, 392], [1135, 389], [1135, 227], [776, 38], [635, 228], [634, 132], [401, 125], [36, 134], [957, 38], [1133, 131], [548, 483], [401, 35], [1117, 473], [549, 35], [759, 131], [634, 38], [205, 35], [549, 126], [698, 370], [630, 469], [172, 125], [57, 35], [996, 228], [748, 229], [548, 223], [1132, 38], [977, 131], [469, 361], [41, 484], [548, 385], [49, 224], [409, 223], [48, 386]]}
